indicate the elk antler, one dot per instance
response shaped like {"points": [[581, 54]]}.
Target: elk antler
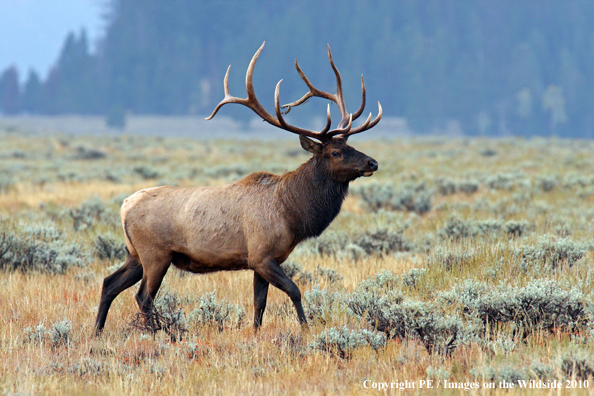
{"points": [[344, 127]]}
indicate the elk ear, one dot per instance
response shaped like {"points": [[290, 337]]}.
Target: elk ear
{"points": [[310, 145]]}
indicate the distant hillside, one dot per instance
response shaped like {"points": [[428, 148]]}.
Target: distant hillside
{"points": [[482, 67]]}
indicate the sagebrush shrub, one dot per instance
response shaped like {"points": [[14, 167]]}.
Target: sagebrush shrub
{"points": [[291, 268], [402, 318], [507, 181], [447, 186], [84, 153], [547, 183], [578, 365], [342, 341], [409, 197], [166, 314], [382, 241], [552, 251], [233, 171], [515, 228], [503, 373], [37, 251], [89, 213], [540, 305], [109, 248], [320, 305], [379, 283], [218, 313], [147, 172], [58, 335], [361, 244], [449, 259], [330, 275], [295, 272], [411, 279], [456, 228]]}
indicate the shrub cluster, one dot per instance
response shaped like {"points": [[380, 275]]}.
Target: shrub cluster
{"points": [[540, 305], [219, 313], [84, 153], [298, 275], [109, 248], [321, 305], [58, 335], [383, 307], [447, 186], [147, 172], [552, 251], [362, 244], [578, 365], [402, 318], [449, 259], [342, 341], [233, 171], [167, 315], [507, 181], [37, 248], [410, 197], [457, 228], [91, 212]]}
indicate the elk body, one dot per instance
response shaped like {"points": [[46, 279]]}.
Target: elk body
{"points": [[253, 223]]}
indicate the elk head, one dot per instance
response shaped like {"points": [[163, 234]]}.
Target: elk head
{"points": [[342, 161]]}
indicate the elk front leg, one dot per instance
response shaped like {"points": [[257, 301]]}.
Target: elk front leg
{"points": [[272, 273], [260, 296]]}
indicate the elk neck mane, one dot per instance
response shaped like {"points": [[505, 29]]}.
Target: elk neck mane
{"points": [[310, 198]]}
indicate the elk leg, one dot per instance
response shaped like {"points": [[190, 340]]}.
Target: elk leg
{"points": [[149, 286], [114, 284], [260, 296], [272, 273]]}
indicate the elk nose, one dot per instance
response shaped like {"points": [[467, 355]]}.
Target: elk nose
{"points": [[372, 164]]}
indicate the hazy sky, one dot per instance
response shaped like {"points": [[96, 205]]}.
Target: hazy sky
{"points": [[33, 31]]}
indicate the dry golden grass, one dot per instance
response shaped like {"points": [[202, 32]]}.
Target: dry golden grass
{"points": [[235, 361]]}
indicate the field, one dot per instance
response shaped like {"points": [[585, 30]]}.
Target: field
{"points": [[466, 262]]}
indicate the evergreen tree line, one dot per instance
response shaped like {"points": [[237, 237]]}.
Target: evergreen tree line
{"points": [[487, 67]]}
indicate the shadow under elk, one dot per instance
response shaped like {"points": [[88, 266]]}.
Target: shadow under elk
{"points": [[253, 223]]}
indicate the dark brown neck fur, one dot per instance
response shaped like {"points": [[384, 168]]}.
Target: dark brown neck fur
{"points": [[311, 199]]}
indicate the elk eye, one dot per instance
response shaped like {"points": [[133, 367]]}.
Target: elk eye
{"points": [[336, 154]]}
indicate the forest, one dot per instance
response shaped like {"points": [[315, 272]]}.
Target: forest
{"points": [[477, 67]]}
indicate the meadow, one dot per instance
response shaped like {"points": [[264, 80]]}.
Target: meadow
{"points": [[461, 261]]}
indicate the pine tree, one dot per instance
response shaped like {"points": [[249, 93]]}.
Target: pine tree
{"points": [[31, 102], [10, 95]]}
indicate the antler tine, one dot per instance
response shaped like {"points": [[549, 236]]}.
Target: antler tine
{"points": [[341, 131], [251, 101], [368, 124], [228, 98], [291, 128], [359, 111], [339, 96], [313, 91], [328, 121]]}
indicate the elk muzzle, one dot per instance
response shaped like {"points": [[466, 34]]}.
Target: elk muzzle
{"points": [[371, 167]]}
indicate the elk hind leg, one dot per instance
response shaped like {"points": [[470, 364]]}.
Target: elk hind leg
{"points": [[130, 273], [149, 286], [260, 297]]}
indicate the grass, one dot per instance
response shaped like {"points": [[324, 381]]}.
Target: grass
{"points": [[543, 185]]}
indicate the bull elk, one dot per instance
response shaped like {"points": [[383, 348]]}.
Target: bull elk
{"points": [[253, 223]]}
